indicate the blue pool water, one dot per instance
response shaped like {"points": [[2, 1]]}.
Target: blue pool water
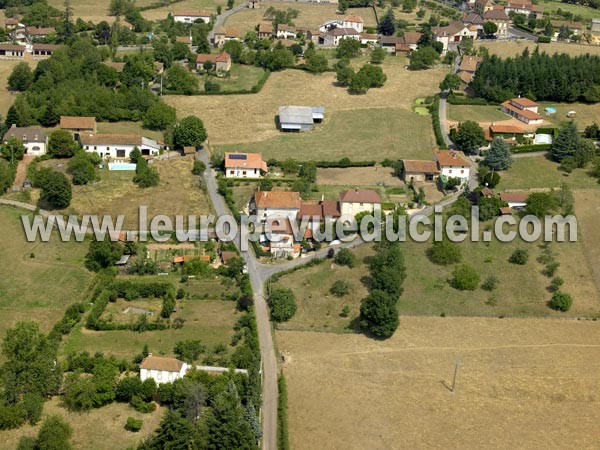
{"points": [[121, 166]]}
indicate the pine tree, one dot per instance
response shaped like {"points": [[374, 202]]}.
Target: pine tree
{"points": [[387, 26], [566, 142], [498, 157]]}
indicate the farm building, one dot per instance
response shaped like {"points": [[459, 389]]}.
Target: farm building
{"points": [[355, 201], [12, 50], [420, 170], [515, 199], [265, 30], [222, 61], [118, 145], [523, 109], [78, 124], [244, 165], [191, 16], [33, 138], [162, 370], [596, 25], [300, 118]]}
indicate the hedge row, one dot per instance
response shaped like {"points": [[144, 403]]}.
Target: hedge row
{"points": [[131, 290], [531, 148], [343, 163], [253, 90], [316, 261], [456, 100], [544, 40], [526, 28], [283, 440], [434, 110]]}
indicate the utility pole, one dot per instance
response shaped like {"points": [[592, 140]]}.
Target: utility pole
{"points": [[456, 366]]}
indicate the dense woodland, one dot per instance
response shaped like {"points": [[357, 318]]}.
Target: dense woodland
{"points": [[539, 76]]}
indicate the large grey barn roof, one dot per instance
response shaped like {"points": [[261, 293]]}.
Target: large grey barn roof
{"points": [[300, 114]]}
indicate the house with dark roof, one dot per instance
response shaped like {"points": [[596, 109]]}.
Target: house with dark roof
{"points": [[333, 37], [356, 201], [498, 17], [40, 50], [11, 50], [34, 139]]}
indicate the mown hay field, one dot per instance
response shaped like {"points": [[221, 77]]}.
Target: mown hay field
{"points": [[522, 383]]}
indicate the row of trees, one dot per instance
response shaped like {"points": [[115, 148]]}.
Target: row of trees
{"points": [[378, 311], [539, 76]]}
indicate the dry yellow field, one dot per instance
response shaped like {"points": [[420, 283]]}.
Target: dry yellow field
{"points": [[311, 15], [99, 429], [177, 193], [251, 118], [523, 383], [587, 208], [6, 97], [185, 5], [506, 49]]}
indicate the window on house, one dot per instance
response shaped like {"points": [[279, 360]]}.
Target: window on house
{"points": [[450, 171], [120, 153], [159, 375], [462, 171]]}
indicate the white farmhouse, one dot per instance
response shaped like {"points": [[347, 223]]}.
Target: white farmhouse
{"points": [[162, 370], [118, 145], [275, 204], [34, 139], [453, 164], [244, 165], [356, 201], [190, 16], [353, 21]]}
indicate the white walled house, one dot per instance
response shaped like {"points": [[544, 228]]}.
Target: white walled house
{"points": [[34, 139], [453, 164], [356, 201], [118, 146], [353, 21], [333, 37], [162, 370], [191, 16], [275, 204], [244, 165]]}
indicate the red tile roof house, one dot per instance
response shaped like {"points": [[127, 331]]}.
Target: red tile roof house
{"points": [[244, 165], [222, 35], [265, 30], [221, 62], [191, 16], [515, 199], [275, 204], [356, 201], [523, 109], [453, 164]]}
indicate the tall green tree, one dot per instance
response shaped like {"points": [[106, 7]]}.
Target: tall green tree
{"points": [[61, 144], [21, 77], [379, 314], [189, 131], [469, 136], [56, 190], [423, 58], [566, 143], [490, 28], [55, 434], [387, 25], [498, 157], [13, 150]]}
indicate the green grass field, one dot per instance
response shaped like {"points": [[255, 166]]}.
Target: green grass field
{"points": [[521, 290], [550, 8], [38, 281], [461, 113], [360, 134], [539, 172], [241, 77]]}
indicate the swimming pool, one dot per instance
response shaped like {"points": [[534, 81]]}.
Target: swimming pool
{"points": [[121, 166]]}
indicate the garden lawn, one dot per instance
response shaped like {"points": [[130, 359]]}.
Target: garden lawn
{"points": [[128, 128], [6, 68], [550, 8], [38, 280], [240, 77], [510, 49], [586, 113], [478, 113]]}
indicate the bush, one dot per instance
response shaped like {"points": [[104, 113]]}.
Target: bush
{"points": [[544, 39], [133, 424], [141, 406], [189, 350], [283, 304], [556, 283], [444, 253], [345, 257], [551, 269], [56, 190], [490, 283], [465, 278], [519, 256], [340, 288], [561, 301]]}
